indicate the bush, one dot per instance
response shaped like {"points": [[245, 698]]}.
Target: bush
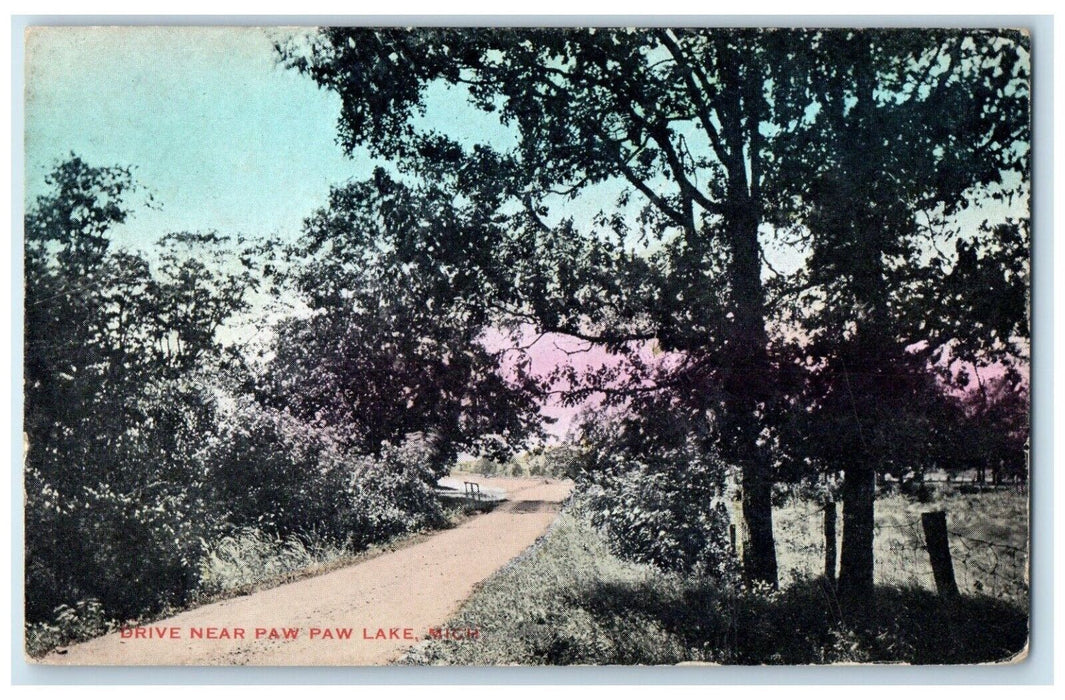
{"points": [[134, 553], [668, 510], [275, 473], [917, 490], [393, 493], [267, 470], [84, 620], [261, 494]]}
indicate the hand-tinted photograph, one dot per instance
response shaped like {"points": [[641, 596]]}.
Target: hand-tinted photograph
{"points": [[353, 346]]}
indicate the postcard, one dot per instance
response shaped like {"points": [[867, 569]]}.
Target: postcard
{"points": [[523, 346]]}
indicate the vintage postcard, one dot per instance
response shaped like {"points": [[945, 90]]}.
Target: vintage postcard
{"points": [[488, 346]]}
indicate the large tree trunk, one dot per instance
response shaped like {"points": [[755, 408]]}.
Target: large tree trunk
{"points": [[871, 343], [746, 386], [856, 559], [760, 557]]}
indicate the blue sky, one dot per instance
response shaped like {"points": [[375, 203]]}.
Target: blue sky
{"points": [[221, 136]]}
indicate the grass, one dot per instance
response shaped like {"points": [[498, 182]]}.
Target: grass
{"points": [[568, 600], [251, 562], [988, 541], [539, 609]]}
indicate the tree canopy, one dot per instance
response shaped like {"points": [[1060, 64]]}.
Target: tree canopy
{"points": [[392, 342], [856, 149]]}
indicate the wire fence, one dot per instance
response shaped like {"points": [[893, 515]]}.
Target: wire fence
{"points": [[987, 543]]}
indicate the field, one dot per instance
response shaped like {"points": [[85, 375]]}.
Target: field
{"points": [[568, 600], [988, 534]]}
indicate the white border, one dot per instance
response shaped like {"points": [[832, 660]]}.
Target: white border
{"points": [[1036, 670]]}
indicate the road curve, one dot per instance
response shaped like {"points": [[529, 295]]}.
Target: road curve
{"points": [[362, 615]]}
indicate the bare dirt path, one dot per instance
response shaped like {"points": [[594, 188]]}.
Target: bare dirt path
{"points": [[368, 608]]}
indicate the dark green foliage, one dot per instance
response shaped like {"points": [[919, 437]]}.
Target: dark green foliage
{"points": [[392, 343], [117, 351], [644, 506], [269, 471], [857, 147], [679, 124], [142, 454], [657, 491], [911, 129], [393, 493], [132, 554], [882, 354], [993, 439]]}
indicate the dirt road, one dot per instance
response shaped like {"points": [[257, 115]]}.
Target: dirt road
{"points": [[365, 614]]}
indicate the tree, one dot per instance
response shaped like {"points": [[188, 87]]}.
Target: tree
{"points": [[913, 128], [681, 125], [714, 141], [998, 422], [391, 344], [118, 346]]}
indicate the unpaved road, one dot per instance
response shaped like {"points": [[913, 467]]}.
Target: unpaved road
{"points": [[398, 594]]}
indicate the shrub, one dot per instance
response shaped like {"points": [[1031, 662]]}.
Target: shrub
{"points": [[267, 470], [132, 552], [84, 620], [260, 494], [392, 494], [668, 509]]}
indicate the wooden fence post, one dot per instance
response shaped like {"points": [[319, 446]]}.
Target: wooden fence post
{"points": [[830, 542], [732, 536], [935, 536]]}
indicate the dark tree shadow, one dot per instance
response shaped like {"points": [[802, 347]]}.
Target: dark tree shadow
{"points": [[803, 624]]}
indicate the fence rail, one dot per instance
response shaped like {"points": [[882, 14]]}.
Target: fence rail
{"points": [[473, 490]]}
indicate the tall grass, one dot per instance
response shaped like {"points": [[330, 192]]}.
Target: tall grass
{"points": [[568, 600], [249, 557], [988, 541]]}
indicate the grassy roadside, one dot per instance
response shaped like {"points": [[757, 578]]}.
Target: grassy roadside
{"points": [[567, 600], [539, 609], [236, 566]]}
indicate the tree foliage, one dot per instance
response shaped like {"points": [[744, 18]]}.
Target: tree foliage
{"points": [[676, 123], [115, 399], [134, 461], [392, 341], [853, 148]]}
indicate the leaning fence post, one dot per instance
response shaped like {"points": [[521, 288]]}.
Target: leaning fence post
{"points": [[830, 541], [935, 535]]}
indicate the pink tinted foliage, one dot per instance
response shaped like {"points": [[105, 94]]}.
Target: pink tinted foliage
{"points": [[574, 374]]}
